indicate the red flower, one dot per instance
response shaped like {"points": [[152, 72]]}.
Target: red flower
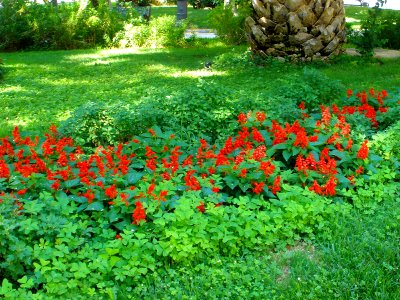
{"points": [[89, 195], [201, 208], [152, 132], [215, 189], [259, 153], [150, 189], [267, 167], [302, 106], [326, 115], [360, 170], [138, 213], [4, 170], [349, 144], [371, 91], [162, 195], [351, 179], [301, 139], [382, 109], [363, 151], [118, 236], [243, 173], [257, 135], [301, 164], [242, 119], [260, 116], [111, 192], [316, 188], [258, 187], [330, 186], [22, 192], [55, 185], [62, 159], [349, 93], [277, 185]]}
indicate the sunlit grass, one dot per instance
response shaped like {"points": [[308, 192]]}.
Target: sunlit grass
{"points": [[42, 88]]}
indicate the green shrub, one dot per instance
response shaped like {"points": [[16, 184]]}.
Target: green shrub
{"points": [[380, 29], [204, 3], [15, 31], [312, 86], [389, 28], [229, 27], [2, 69], [163, 31], [67, 26]]}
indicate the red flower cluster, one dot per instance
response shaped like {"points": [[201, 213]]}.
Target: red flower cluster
{"points": [[139, 213]]}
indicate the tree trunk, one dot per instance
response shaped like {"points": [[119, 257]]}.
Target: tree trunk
{"points": [[298, 29]]}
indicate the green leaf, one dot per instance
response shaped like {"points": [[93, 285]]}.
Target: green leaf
{"points": [[338, 154], [77, 199], [72, 183], [111, 251], [244, 187], [6, 287], [375, 158], [286, 155], [113, 215], [231, 182], [97, 206], [82, 207], [134, 177]]}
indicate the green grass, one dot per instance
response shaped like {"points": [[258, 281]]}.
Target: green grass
{"points": [[361, 261], [356, 12], [197, 18], [41, 88]]}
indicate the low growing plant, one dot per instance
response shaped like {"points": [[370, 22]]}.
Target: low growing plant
{"points": [[120, 212]]}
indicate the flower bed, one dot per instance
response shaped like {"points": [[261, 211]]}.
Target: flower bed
{"points": [[153, 197]]}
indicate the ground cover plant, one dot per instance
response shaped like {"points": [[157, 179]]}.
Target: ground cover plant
{"points": [[43, 89], [269, 186], [262, 179]]}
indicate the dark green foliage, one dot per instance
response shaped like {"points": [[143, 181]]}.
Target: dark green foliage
{"points": [[203, 110], [381, 28], [163, 31], [389, 28], [36, 26], [95, 124], [2, 69], [197, 4], [229, 27]]}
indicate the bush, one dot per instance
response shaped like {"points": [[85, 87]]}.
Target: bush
{"points": [[36, 26], [2, 69], [229, 27], [389, 28], [164, 31], [380, 29], [197, 4], [15, 31]]}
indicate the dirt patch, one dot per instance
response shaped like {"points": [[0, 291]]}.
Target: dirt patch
{"points": [[379, 53]]}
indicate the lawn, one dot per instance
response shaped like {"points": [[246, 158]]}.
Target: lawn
{"points": [[42, 88], [197, 18]]}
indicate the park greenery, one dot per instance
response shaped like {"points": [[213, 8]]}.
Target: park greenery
{"points": [[175, 168]]}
